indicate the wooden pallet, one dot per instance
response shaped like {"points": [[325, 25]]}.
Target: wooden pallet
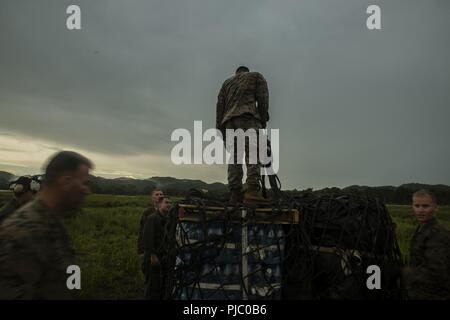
{"points": [[188, 212]]}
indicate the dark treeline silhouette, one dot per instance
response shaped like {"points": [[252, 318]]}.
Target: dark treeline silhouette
{"points": [[173, 186], [387, 194]]}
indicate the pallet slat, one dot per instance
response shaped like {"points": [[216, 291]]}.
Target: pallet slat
{"points": [[283, 216]]}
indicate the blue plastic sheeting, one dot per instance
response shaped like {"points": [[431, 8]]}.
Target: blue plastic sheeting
{"points": [[213, 264]]}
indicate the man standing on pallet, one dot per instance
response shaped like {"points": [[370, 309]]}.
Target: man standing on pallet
{"points": [[243, 103]]}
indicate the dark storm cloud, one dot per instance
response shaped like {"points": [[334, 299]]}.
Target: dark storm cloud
{"points": [[352, 105]]}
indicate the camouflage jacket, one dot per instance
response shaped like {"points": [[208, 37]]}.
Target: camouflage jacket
{"points": [[145, 214], [243, 93], [34, 254], [429, 275], [155, 239], [5, 211]]}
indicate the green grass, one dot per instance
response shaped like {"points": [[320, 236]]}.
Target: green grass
{"points": [[104, 235], [105, 241]]}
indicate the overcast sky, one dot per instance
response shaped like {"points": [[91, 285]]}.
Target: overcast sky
{"points": [[353, 106]]}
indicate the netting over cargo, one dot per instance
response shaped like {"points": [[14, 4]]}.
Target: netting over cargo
{"points": [[316, 248]]}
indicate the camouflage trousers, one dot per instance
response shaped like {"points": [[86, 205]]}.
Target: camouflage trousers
{"points": [[155, 283], [235, 171]]}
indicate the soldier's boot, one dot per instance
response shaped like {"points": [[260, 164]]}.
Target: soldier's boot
{"points": [[236, 197], [252, 196]]}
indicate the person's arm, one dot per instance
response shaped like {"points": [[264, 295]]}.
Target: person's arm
{"points": [[149, 240], [140, 244], [220, 109], [23, 262], [262, 97], [154, 259]]}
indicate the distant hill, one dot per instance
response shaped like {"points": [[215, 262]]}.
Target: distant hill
{"points": [[125, 186], [170, 185], [417, 186], [174, 186], [185, 184], [390, 194], [5, 178], [130, 186]]}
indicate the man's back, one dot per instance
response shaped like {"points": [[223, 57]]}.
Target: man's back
{"points": [[34, 254], [6, 210], [243, 93]]}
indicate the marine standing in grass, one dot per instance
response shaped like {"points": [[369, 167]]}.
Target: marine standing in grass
{"points": [[243, 103], [24, 189], [156, 195], [428, 276], [156, 251], [34, 245]]}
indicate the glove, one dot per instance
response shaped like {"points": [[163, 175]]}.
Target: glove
{"points": [[264, 120]]}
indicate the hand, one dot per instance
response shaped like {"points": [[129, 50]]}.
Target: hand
{"points": [[154, 260], [264, 120]]}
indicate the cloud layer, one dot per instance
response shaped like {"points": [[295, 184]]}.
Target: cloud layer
{"points": [[353, 106]]}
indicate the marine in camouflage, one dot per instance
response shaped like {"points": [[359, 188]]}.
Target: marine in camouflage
{"points": [[429, 274], [243, 103], [243, 93], [34, 254]]}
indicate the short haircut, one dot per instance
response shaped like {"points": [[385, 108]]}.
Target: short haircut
{"points": [[242, 69], [425, 192], [63, 163]]}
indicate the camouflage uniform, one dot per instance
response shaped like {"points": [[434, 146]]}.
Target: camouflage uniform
{"points": [[429, 275], [235, 172], [11, 206], [243, 103], [147, 212], [34, 254], [155, 244]]}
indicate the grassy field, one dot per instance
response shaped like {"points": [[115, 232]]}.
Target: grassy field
{"points": [[104, 235]]}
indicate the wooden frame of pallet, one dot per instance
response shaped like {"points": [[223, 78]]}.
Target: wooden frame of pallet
{"points": [[278, 216]]}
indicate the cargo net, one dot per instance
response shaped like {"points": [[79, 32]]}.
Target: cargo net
{"points": [[304, 248]]}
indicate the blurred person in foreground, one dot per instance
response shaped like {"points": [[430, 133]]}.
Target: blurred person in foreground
{"points": [[34, 245]]}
